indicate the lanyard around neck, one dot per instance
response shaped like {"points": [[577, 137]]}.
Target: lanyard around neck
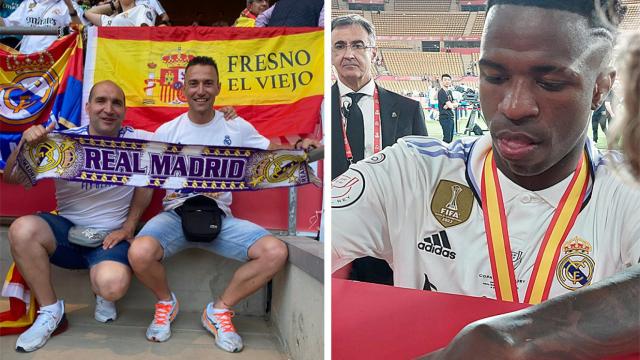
{"points": [[377, 140]]}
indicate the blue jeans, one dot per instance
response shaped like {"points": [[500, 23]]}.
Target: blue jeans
{"points": [[234, 241]]}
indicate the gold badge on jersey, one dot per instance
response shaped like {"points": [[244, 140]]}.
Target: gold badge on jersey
{"points": [[575, 269], [451, 203]]}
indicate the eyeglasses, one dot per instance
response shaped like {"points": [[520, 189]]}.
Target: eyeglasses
{"points": [[357, 47]]}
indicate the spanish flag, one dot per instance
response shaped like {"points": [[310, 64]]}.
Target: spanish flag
{"points": [[273, 77], [38, 87], [22, 304]]}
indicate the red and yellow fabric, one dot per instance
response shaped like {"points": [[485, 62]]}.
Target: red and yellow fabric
{"points": [[497, 231], [22, 305], [272, 76], [39, 86], [246, 19]]}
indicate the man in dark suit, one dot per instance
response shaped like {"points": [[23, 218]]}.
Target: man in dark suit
{"points": [[365, 118]]}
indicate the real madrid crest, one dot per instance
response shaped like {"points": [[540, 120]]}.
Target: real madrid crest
{"points": [[51, 155], [451, 203], [575, 269]]}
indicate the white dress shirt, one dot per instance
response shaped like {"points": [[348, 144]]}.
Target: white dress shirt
{"points": [[366, 106]]}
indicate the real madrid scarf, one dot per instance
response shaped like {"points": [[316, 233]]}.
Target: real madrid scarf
{"points": [[132, 162]]}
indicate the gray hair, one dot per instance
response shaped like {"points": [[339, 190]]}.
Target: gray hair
{"points": [[354, 19]]}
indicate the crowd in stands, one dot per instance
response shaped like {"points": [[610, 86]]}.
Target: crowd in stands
{"points": [[61, 13]]}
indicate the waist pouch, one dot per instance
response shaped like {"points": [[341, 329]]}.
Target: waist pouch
{"points": [[201, 219], [86, 236]]}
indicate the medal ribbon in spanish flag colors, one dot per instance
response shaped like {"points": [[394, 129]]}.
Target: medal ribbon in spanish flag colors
{"points": [[495, 223]]}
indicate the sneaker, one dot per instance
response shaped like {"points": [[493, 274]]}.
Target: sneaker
{"points": [[42, 329], [105, 310], [160, 328], [218, 323]]}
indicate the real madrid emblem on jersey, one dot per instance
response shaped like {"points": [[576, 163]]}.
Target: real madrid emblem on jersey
{"points": [[451, 203], [575, 269]]}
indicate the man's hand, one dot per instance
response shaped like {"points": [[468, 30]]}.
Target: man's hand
{"points": [[597, 321], [307, 144], [37, 133], [228, 112], [116, 236], [483, 339]]}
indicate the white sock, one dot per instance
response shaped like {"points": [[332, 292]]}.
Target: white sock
{"points": [[56, 308], [218, 311], [172, 301]]}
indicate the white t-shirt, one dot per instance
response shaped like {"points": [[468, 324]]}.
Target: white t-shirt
{"points": [[217, 132], [416, 205], [136, 16], [103, 207], [153, 4], [40, 13]]}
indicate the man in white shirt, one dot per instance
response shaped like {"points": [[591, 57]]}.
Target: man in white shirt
{"points": [[41, 239], [163, 235], [530, 213], [42, 13]]}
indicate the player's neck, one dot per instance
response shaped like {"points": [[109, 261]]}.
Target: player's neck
{"points": [[201, 118], [555, 174], [128, 7]]}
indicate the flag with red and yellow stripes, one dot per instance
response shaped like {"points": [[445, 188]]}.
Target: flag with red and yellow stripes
{"points": [[273, 77]]}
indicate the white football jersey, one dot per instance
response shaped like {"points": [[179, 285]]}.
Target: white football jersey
{"points": [[41, 13], [136, 16], [99, 206], [217, 132], [417, 205], [153, 5]]}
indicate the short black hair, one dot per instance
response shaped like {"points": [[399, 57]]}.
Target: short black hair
{"points": [[445, 76], [601, 14], [202, 60]]}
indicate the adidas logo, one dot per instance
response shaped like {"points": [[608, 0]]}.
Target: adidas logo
{"points": [[438, 244]]}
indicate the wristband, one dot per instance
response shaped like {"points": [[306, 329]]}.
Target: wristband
{"points": [[74, 13], [113, 6]]}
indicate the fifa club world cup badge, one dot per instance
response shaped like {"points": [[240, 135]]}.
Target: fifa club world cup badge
{"points": [[451, 203]]}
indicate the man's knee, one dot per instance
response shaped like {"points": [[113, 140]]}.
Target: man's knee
{"points": [[272, 249], [28, 232], [112, 281], [143, 251]]}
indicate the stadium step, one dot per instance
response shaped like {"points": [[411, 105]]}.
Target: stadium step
{"points": [[292, 329]]}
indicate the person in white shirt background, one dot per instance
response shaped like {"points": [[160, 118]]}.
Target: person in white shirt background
{"points": [[43, 13]]}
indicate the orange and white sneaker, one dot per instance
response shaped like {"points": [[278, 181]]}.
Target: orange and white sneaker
{"points": [[218, 322], [160, 328]]}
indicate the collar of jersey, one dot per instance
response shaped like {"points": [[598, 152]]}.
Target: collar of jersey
{"points": [[551, 195]]}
